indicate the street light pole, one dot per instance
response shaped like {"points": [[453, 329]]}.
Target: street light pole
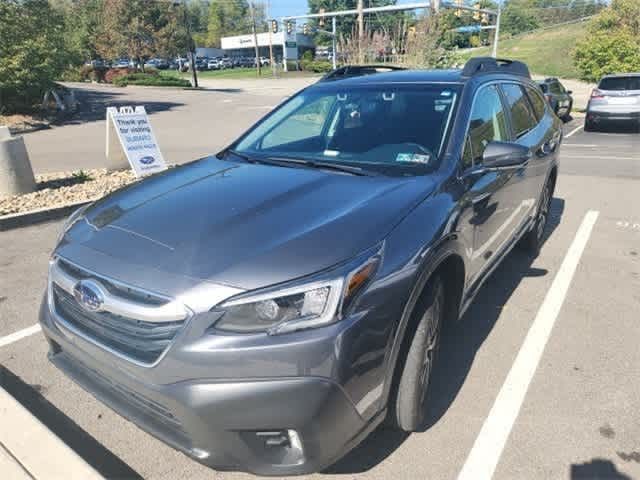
{"points": [[496, 34], [360, 29], [273, 64]]}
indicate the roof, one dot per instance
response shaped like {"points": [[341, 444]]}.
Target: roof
{"points": [[403, 76]]}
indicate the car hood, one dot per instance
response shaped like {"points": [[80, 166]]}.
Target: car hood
{"points": [[246, 225]]}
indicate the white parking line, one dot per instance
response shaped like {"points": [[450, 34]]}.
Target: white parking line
{"points": [[573, 131], [487, 449], [19, 335]]}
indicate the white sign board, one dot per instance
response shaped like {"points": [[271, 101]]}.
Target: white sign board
{"points": [[136, 140]]}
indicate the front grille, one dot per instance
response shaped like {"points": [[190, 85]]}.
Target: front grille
{"points": [[139, 340]]}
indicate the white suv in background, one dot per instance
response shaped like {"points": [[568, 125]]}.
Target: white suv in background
{"points": [[616, 99]]}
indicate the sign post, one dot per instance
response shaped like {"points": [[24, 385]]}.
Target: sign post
{"points": [[130, 137]]}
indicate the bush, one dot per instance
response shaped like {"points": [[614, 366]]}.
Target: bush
{"points": [[72, 74], [318, 66], [114, 73], [605, 53], [151, 80], [613, 45]]}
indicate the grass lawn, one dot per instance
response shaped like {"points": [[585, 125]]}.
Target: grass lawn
{"points": [[547, 52], [239, 73]]}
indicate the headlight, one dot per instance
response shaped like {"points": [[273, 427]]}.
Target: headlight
{"points": [[71, 220], [308, 305]]}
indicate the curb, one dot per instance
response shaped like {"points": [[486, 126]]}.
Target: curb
{"points": [[29, 450], [25, 219]]}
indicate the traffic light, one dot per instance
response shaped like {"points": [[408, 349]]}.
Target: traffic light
{"points": [[289, 24], [484, 18], [458, 11], [476, 15], [321, 19], [274, 26], [305, 29]]}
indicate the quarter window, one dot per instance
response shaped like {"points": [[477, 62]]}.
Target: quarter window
{"points": [[522, 117], [537, 101], [487, 124]]}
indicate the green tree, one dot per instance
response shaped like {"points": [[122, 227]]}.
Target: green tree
{"points": [[136, 28], [517, 18], [32, 52], [232, 18], [82, 23], [613, 44]]}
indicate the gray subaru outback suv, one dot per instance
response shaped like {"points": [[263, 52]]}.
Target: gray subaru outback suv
{"points": [[266, 308]]}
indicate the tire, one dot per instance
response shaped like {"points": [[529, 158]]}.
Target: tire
{"points": [[532, 240], [589, 126], [409, 405]]}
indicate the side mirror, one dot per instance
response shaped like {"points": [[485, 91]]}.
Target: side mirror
{"points": [[504, 155], [569, 92]]}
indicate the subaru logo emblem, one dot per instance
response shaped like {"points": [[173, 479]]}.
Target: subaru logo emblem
{"points": [[88, 294], [148, 160]]}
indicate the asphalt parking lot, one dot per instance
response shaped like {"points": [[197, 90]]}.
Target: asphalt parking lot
{"points": [[577, 367]]}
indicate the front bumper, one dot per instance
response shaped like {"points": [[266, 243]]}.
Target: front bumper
{"points": [[224, 424]]}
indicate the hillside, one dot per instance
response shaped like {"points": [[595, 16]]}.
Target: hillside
{"points": [[547, 52]]}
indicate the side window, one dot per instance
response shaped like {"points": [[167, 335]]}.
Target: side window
{"points": [[537, 101], [522, 117], [556, 88], [487, 124]]}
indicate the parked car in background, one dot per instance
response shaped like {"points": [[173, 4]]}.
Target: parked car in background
{"points": [[264, 61], [226, 62], [558, 97], [615, 99], [274, 332], [214, 64], [202, 63], [159, 63], [247, 62], [122, 63]]}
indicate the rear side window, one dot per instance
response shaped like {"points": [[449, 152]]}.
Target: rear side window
{"points": [[487, 124], [522, 117], [537, 101], [620, 83]]}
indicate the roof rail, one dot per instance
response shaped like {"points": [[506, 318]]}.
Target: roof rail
{"points": [[482, 65], [349, 71]]}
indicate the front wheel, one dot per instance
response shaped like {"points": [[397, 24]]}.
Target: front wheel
{"points": [[532, 240], [408, 412]]}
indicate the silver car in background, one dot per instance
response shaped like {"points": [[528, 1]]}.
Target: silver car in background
{"points": [[616, 99]]}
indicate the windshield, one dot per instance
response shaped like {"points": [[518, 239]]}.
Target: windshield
{"points": [[394, 129]]}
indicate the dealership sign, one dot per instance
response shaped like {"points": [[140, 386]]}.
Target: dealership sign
{"points": [[130, 136]]}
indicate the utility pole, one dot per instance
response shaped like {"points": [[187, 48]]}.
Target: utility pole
{"points": [[255, 37], [273, 64], [497, 34], [360, 30], [333, 42]]}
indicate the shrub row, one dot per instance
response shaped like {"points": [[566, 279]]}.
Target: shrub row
{"points": [[150, 79]]}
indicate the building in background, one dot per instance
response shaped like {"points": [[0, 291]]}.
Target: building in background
{"points": [[243, 45]]}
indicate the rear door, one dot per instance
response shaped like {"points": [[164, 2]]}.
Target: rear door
{"points": [[488, 213]]}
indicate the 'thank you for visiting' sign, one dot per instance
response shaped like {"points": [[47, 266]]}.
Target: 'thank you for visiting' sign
{"points": [[129, 135]]}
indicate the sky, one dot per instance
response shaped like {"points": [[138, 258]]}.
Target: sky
{"points": [[282, 8]]}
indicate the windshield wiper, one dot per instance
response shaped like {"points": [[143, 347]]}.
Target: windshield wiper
{"points": [[319, 165]]}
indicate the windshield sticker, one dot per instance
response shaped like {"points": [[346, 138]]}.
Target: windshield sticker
{"points": [[446, 93], [413, 158], [331, 153]]}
